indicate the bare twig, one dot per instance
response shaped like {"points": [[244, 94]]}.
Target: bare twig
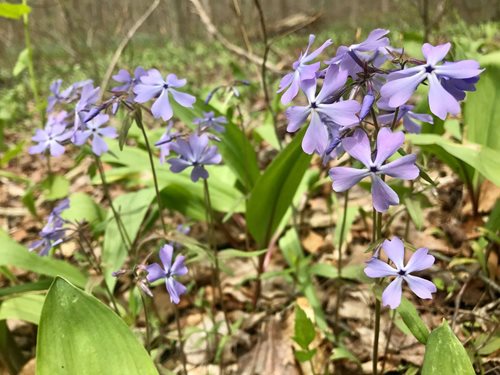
{"points": [[212, 30], [123, 44]]}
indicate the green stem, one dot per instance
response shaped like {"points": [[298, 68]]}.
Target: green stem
{"points": [[210, 222], [121, 228], [181, 342], [148, 333], [377, 234], [31, 69], [339, 261], [155, 179], [395, 119]]}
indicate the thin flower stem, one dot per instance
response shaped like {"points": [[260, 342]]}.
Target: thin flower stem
{"points": [[181, 342], [395, 119], [388, 341], [339, 260], [155, 179], [94, 262], [210, 221], [377, 235], [148, 327], [119, 223]]}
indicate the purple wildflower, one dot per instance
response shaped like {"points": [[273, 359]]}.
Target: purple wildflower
{"points": [[52, 234], [458, 87], [405, 112], [155, 272], [93, 129], [358, 146], [152, 85], [195, 152], [420, 260], [58, 96], [301, 71], [401, 84], [342, 113], [52, 136], [127, 80], [370, 49], [88, 97], [166, 142], [210, 121]]}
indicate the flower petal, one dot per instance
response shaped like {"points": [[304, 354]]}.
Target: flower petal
{"points": [[434, 54], [161, 107], [342, 113], [377, 268], [292, 90], [395, 250], [388, 143], [155, 272], [399, 90], [296, 116], [421, 287], [403, 168], [392, 294], [358, 146], [99, 146], [420, 260], [344, 177], [186, 100], [175, 289], [441, 102], [178, 268], [165, 254], [316, 137]]}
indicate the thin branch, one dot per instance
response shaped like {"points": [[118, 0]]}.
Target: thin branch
{"points": [[123, 44], [212, 30]]}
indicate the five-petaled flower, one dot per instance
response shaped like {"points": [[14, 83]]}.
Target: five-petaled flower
{"points": [[301, 71], [93, 129], [52, 136], [358, 146], [406, 113], [403, 83], [322, 111], [210, 121], [152, 85], [169, 270], [196, 152], [127, 80], [419, 261], [166, 141]]}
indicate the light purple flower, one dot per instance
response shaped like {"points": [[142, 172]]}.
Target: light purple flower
{"points": [[210, 121], [94, 129], [402, 84], [405, 112], [152, 85], [301, 71], [196, 152], [52, 234], [358, 146], [88, 97], [342, 113], [127, 80], [166, 141], [58, 96], [419, 261], [155, 272], [52, 136], [458, 87], [372, 49]]}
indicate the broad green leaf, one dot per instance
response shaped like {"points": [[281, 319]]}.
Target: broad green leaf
{"points": [[55, 187], [343, 353], [78, 334], [13, 11], [304, 355], [414, 208], [304, 329], [274, 190], [445, 354], [352, 272], [13, 254], [413, 321], [26, 287], [83, 208], [482, 158], [132, 208], [25, 307], [290, 247], [21, 63], [481, 112]]}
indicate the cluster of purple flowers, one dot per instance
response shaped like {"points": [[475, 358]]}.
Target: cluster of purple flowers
{"points": [[52, 234], [373, 78]]}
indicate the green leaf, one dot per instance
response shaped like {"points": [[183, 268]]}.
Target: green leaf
{"points": [[274, 190], [27, 307], [304, 329], [413, 321], [445, 355], [132, 208], [233, 253], [83, 208], [13, 254], [414, 208], [13, 11], [80, 335], [21, 63], [352, 212], [343, 353], [482, 158], [291, 248], [481, 113], [304, 355], [55, 187], [352, 272]]}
